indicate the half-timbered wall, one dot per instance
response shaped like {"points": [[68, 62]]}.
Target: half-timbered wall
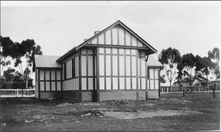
{"points": [[88, 70], [153, 78], [117, 69], [116, 36], [71, 74], [49, 79], [142, 77]]}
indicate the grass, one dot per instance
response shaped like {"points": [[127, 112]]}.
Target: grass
{"points": [[32, 115]]}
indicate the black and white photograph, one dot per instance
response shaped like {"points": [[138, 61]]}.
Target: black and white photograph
{"points": [[110, 65]]}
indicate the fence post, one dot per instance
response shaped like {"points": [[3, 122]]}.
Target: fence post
{"points": [[17, 92], [214, 92]]}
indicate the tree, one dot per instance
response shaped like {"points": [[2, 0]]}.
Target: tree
{"points": [[162, 79], [7, 81], [16, 51], [215, 55], [5, 52], [27, 49], [170, 57], [180, 72]]}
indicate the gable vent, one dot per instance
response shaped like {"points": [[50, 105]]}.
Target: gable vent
{"points": [[96, 32]]}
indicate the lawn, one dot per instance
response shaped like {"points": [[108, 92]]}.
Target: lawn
{"points": [[197, 111]]}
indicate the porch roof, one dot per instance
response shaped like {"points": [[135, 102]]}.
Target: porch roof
{"points": [[45, 61], [153, 62]]}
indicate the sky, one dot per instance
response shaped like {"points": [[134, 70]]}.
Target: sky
{"points": [[190, 27]]}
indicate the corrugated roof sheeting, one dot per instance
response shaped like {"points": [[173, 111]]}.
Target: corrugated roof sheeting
{"points": [[46, 61], [152, 61]]}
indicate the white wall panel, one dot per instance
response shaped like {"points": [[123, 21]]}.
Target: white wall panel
{"points": [[90, 65], [138, 81], [151, 84], [133, 52], [108, 65], [47, 74], [143, 66], [134, 83], [121, 51], [114, 50], [138, 66], [156, 84], [143, 83], [128, 39], [156, 74], [83, 66], [94, 41], [108, 37], [127, 51], [41, 75], [58, 86], [52, 74], [151, 73], [77, 83], [121, 37], [128, 82], [53, 88], [84, 51], [101, 82], [134, 41], [84, 83], [76, 66], [108, 83], [115, 83], [101, 39], [101, 50], [47, 86], [42, 86], [114, 34], [134, 66], [108, 50], [122, 83], [90, 84], [140, 44], [122, 67], [128, 66], [58, 74], [69, 69], [101, 65], [89, 51], [115, 66]]}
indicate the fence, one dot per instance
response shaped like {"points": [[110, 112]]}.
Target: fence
{"points": [[17, 92]]}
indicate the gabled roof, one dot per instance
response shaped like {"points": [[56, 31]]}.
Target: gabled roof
{"points": [[45, 61], [153, 62], [96, 35]]}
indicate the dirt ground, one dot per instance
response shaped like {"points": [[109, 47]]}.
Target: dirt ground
{"points": [[196, 111]]}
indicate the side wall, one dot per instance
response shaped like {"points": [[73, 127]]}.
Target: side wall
{"points": [[48, 83]]}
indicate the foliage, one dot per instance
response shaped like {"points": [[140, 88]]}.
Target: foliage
{"points": [[7, 79], [162, 79], [170, 57], [16, 51], [180, 72]]}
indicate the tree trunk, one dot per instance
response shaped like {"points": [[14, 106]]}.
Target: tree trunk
{"points": [[26, 84], [171, 88]]}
